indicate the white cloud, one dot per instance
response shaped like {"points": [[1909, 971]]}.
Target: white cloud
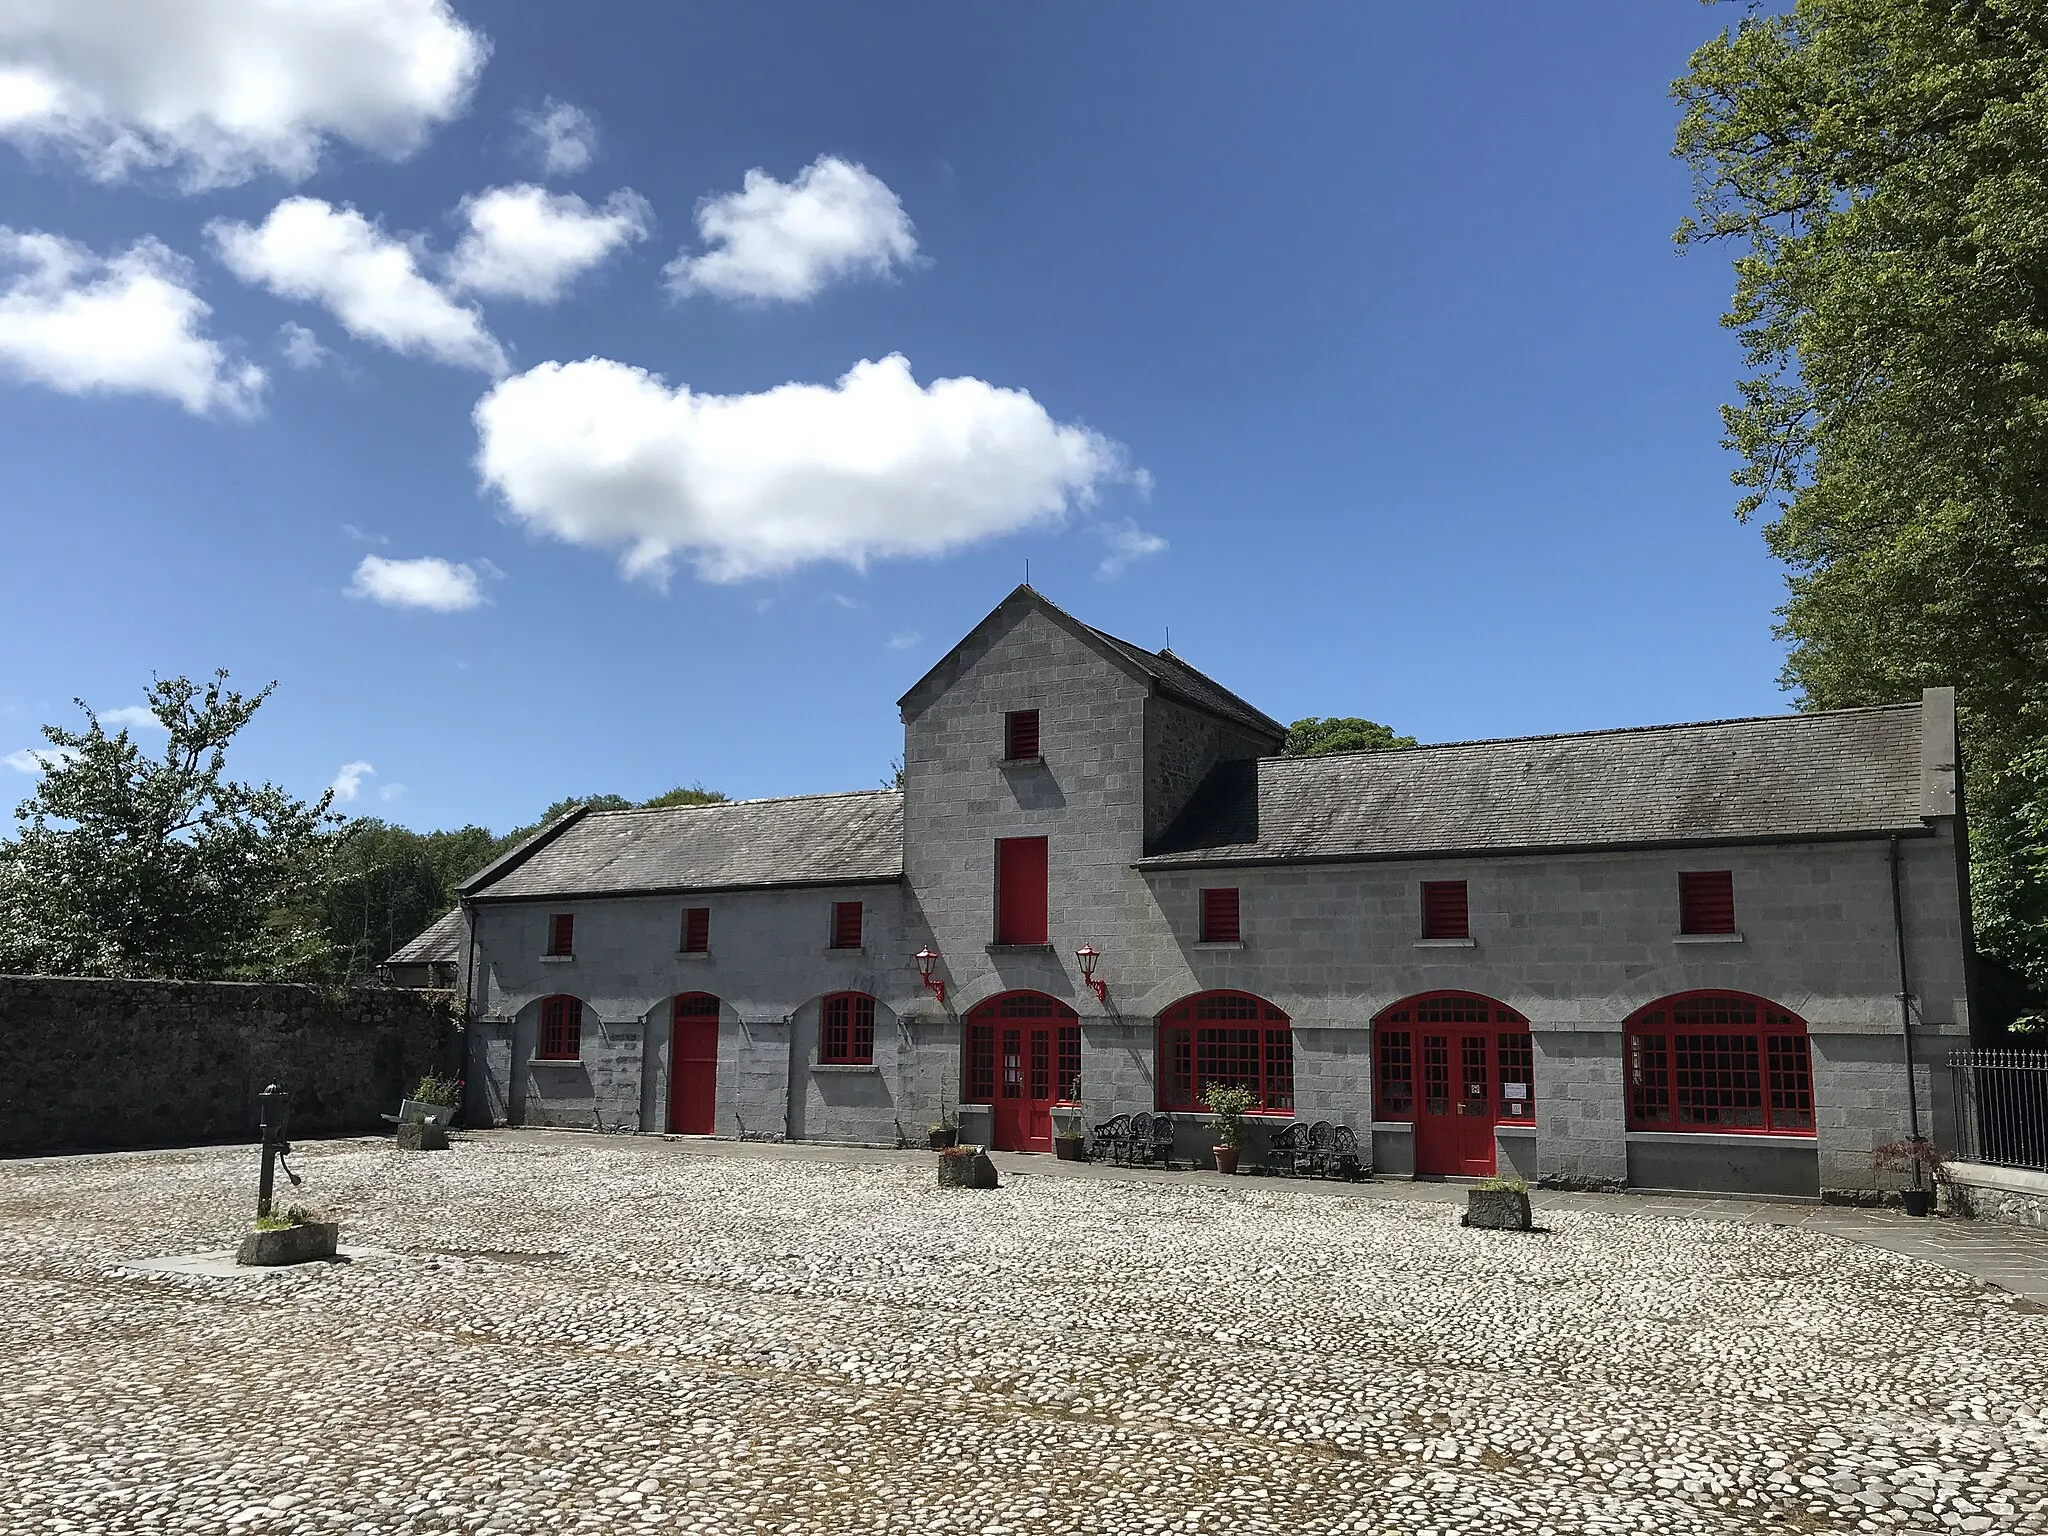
{"points": [[125, 324], [215, 91], [1127, 542], [606, 455], [905, 640], [439, 585], [36, 759], [525, 242], [309, 249], [138, 717], [348, 781], [390, 792], [361, 537], [787, 240], [563, 138], [301, 348]]}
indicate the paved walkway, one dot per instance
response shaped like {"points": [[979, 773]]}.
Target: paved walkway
{"points": [[2008, 1258]]}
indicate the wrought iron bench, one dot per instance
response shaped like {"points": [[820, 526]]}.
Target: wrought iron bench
{"points": [[1160, 1152], [1280, 1152], [1312, 1148], [1112, 1138], [1344, 1160]]}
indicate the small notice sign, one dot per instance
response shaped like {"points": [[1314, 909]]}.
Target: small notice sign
{"points": [[1514, 1090]]}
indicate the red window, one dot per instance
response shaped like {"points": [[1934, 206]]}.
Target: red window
{"points": [[848, 1037], [562, 934], [1706, 902], [846, 925], [561, 1029], [696, 1005], [697, 931], [1225, 1037], [1020, 890], [1719, 1062], [1444, 914], [1488, 1041], [1219, 915], [1396, 1097], [978, 1075], [1020, 734], [980, 1080]]}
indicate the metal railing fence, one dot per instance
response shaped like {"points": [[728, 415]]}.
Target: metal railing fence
{"points": [[2001, 1100]]}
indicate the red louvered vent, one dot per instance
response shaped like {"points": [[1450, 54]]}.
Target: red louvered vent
{"points": [[846, 925], [697, 931], [562, 934], [1219, 916], [1706, 902], [1020, 734], [1445, 913]]}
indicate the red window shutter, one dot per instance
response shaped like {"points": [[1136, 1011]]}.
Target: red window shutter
{"points": [[846, 925], [1020, 734], [1445, 914], [1021, 907], [561, 1029], [1706, 902], [848, 1035], [1219, 916], [697, 931], [562, 934]]}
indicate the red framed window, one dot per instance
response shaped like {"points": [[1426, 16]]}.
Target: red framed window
{"points": [[561, 1029], [697, 931], [1706, 901], [1021, 903], [1395, 1099], [846, 925], [978, 1081], [1428, 1036], [847, 1038], [562, 934], [1219, 916], [1225, 1037], [978, 1068], [1020, 734], [1719, 1061], [1444, 911]]}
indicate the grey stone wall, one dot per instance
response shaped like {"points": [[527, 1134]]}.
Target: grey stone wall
{"points": [[1181, 746], [95, 1063]]}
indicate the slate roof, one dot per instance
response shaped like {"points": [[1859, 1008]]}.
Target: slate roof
{"points": [[1781, 776], [1176, 678], [801, 840], [442, 940]]}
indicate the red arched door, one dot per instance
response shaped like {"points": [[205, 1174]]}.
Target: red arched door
{"points": [[1023, 1056], [693, 1065], [1457, 1065]]}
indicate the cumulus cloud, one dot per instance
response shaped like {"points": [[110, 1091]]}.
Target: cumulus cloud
{"points": [[562, 138], [138, 717], [301, 348], [904, 640], [1127, 543], [124, 324], [525, 242], [309, 249], [787, 240], [348, 781], [215, 91], [609, 456], [439, 585], [36, 759]]}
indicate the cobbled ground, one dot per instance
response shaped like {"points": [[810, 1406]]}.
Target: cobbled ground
{"points": [[602, 1337]]}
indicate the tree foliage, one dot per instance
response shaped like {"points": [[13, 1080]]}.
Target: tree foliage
{"points": [[131, 865], [385, 885], [1882, 166], [1317, 738]]}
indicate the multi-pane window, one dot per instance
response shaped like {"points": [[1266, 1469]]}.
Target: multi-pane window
{"points": [[1396, 1097], [1053, 1061], [847, 1038], [1452, 1049], [1020, 734], [846, 925], [697, 931], [1444, 913], [1229, 1038], [561, 1029], [1706, 901], [696, 1005], [1716, 1062], [1021, 903], [562, 934], [1219, 915]]}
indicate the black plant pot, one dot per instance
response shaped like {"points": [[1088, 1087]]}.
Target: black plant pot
{"points": [[1918, 1202], [946, 1138]]}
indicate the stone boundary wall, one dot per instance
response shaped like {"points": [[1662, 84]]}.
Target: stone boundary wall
{"points": [[2014, 1196], [96, 1063]]}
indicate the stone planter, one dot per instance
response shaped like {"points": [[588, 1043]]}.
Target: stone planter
{"points": [[1070, 1149], [420, 1136], [966, 1168], [942, 1139], [296, 1244], [419, 1110], [1226, 1159], [1501, 1210]]}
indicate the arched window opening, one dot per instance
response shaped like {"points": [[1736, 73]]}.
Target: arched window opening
{"points": [[1025, 1062], [561, 1029], [848, 1036], [1463, 1053], [1230, 1038], [1719, 1061]]}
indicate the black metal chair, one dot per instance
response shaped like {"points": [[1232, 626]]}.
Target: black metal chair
{"points": [[1312, 1152], [1279, 1156], [1111, 1138], [1345, 1161], [1161, 1152], [1139, 1147]]}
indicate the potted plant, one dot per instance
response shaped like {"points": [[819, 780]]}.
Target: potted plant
{"points": [[1229, 1103], [1068, 1143], [295, 1235], [1500, 1204], [945, 1131], [1915, 1157]]}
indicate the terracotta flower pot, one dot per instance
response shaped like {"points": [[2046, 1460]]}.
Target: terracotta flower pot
{"points": [[1226, 1159]]}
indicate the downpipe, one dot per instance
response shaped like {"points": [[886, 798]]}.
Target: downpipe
{"points": [[1905, 998]]}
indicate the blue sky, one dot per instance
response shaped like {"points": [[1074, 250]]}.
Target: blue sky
{"points": [[1346, 341]]}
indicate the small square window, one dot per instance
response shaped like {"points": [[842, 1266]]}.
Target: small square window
{"points": [[697, 931], [1020, 734], [1445, 913], [562, 934], [846, 925], [1706, 901], [1219, 916]]}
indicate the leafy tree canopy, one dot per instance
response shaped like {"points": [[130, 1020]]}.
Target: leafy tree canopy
{"points": [[1317, 738], [1882, 167]]}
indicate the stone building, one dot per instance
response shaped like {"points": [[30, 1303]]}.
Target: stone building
{"points": [[1676, 957]]}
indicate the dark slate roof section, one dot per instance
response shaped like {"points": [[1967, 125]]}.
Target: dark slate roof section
{"points": [[442, 941], [522, 850], [803, 840], [1179, 680], [1843, 773]]}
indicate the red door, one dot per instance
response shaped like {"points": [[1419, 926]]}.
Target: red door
{"points": [[1454, 1109], [1023, 1107], [693, 1066]]}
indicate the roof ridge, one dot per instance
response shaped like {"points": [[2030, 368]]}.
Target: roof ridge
{"points": [[712, 805]]}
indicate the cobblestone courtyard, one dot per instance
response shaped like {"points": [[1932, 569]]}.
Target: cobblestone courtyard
{"points": [[589, 1334]]}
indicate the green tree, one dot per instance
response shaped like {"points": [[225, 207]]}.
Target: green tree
{"points": [[129, 865], [386, 884], [1882, 166], [1318, 738]]}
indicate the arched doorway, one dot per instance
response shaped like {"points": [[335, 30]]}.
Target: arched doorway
{"points": [[1456, 1065], [693, 1065], [1022, 1058], [1225, 1037]]}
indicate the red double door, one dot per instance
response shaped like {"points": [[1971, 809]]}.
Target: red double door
{"points": [[693, 1065], [1021, 1048], [1024, 1094], [1454, 1103]]}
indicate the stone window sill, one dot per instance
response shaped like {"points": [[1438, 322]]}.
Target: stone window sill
{"points": [[1020, 762], [1724, 1138], [554, 1061], [1393, 1125], [1514, 1128], [1446, 943], [1020, 949], [846, 1066], [693, 954], [556, 959], [846, 949], [1706, 938], [1219, 944]]}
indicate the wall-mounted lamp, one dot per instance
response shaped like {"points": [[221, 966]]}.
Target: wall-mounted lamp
{"points": [[926, 958], [1088, 954]]}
